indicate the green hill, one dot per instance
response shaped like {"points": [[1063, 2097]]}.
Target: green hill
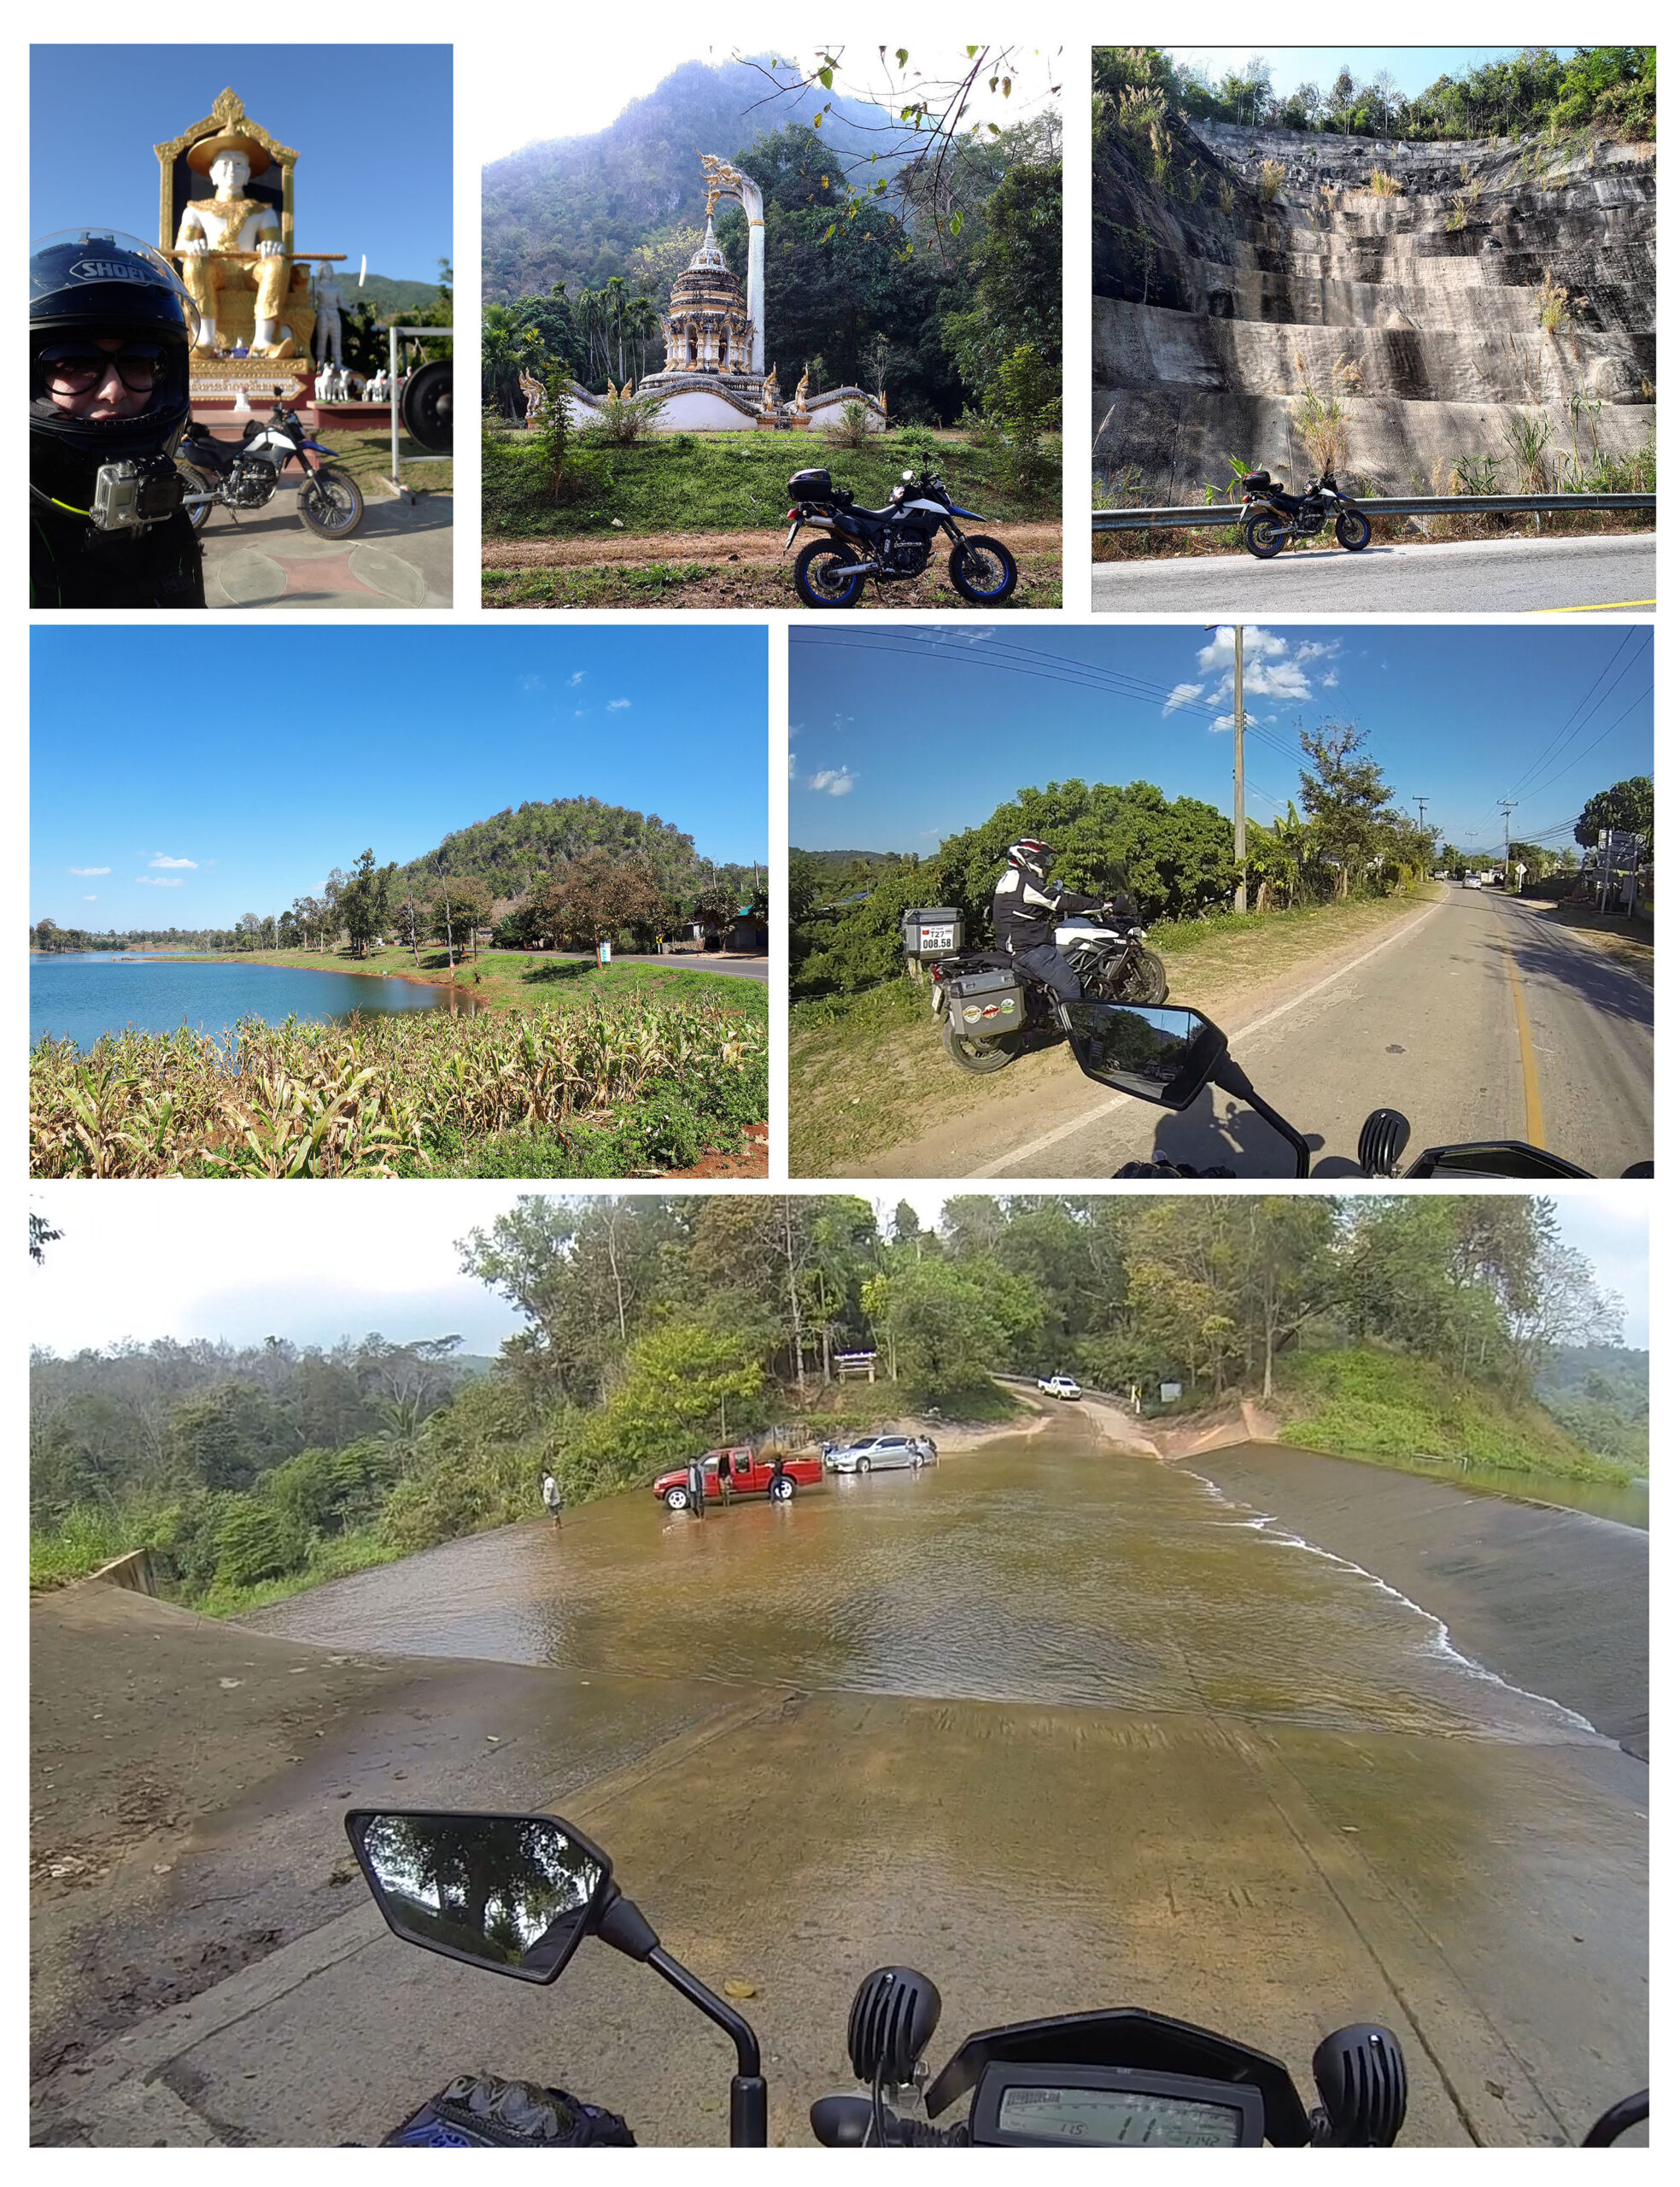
{"points": [[573, 208], [1405, 1411], [391, 298], [517, 848]]}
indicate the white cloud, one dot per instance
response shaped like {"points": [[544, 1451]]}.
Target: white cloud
{"points": [[576, 678], [90, 900], [163, 858], [1223, 721], [1180, 695], [159, 881], [616, 706], [87, 872], [1329, 680], [532, 684], [834, 782]]}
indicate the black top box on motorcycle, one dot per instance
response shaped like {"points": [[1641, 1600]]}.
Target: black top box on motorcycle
{"points": [[1256, 478], [984, 1006], [934, 933], [811, 486]]}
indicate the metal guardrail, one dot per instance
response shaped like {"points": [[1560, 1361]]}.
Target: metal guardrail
{"points": [[1231, 512]]}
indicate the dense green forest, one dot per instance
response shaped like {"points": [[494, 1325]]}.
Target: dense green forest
{"points": [[650, 1326], [890, 263], [1609, 89]]}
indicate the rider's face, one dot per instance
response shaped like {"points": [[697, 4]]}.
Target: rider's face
{"points": [[110, 396]]}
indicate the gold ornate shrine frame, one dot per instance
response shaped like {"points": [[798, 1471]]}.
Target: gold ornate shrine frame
{"points": [[228, 113]]}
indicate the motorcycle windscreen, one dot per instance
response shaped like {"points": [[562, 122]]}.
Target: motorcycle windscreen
{"points": [[1164, 1055], [513, 1893]]}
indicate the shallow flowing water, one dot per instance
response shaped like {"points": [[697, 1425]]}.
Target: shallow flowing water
{"points": [[77, 997], [1047, 1571]]}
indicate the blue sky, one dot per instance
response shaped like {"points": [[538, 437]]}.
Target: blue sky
{"points": [[327, 1264], [197, 810], [1414, 67], [373, 127], [901, 737]]}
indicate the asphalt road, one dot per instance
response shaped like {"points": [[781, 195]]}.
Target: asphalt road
{"points": [[1475, 576], [1479, 1017]]}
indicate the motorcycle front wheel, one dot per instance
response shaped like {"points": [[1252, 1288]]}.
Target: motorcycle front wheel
{"points": [[329, 504], [195, 482], [983, 1057], [983, 571], [1263, 537], [1142, 979], [827, 576], [1352, 529]]}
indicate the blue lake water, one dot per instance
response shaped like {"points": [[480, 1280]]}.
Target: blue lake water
{"points": [[79, 997]]}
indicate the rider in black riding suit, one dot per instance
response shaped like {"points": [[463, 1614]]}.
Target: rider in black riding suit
{"points": [[111, 329], [1026, 905]]}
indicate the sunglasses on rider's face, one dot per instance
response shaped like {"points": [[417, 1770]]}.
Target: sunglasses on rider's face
{"points": [[76, 368]]}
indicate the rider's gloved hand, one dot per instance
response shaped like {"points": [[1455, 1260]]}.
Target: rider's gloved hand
{"points": [[1159, 1169], [481, 2111]]}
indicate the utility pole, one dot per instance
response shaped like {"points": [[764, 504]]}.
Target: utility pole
{"points": [[1242, 817], [1507, 810], [1239, 815]]}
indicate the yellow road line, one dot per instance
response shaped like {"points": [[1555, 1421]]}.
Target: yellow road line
{"points": [[1534, 1123], [1593, 607]]}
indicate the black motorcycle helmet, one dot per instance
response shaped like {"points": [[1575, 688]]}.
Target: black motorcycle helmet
{"points": [[101, 285], [1032, 857]]}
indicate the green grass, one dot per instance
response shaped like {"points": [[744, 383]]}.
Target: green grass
{"points": [[366, 455], [329, 1559], [728, 482], [1397, 1409], [611, 585], [89, 1537], [511, 979]]}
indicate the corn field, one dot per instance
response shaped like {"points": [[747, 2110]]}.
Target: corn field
{"points": [[368, 1098]]}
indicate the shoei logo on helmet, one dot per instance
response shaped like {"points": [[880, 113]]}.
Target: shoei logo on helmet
{"points": [[112, 269]]}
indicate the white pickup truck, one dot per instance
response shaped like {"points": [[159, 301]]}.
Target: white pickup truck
{"points": [[1059, 1386]]}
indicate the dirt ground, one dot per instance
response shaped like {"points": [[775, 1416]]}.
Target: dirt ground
{"points": [[726, 569], [750, 1160]]}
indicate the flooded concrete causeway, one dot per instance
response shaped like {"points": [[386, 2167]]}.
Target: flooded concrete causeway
{"points": [[1067, 1728]]}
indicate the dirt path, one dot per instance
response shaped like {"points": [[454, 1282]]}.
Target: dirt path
{"points": [[757, 546]]}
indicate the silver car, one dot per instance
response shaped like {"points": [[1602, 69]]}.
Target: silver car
{"points": [[879, 1453]]}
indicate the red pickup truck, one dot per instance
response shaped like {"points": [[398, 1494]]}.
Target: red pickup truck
{"points": [[747, 1474]]}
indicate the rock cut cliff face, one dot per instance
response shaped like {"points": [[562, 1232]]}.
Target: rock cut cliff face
{"points": [[1424, 311]]}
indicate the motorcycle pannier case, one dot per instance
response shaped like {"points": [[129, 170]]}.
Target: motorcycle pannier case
{"points": [[936, 933], [811, 486], [984, 1006]]}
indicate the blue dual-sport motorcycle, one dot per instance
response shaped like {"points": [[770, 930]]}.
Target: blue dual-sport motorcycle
{"points": [[892, 545], [246, 475]]}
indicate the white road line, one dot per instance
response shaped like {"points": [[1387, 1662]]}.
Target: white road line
{"points": [[1088, 1116]]}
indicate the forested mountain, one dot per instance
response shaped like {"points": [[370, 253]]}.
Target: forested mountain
{"points": [[1601, 1393], [885, 266], [575, 209], [389, 297], [517, 848]]}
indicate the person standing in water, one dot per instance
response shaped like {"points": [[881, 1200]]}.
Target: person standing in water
{"points": [[551, 1497]]}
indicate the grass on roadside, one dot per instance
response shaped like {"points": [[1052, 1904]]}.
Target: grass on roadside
{"points": [[366, 455]]}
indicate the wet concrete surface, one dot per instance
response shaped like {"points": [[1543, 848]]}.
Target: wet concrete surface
{"points": [[1062, 1725], [1555, 1601]]}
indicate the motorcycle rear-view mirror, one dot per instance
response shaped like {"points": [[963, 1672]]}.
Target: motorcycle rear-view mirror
{"points": [[1160, 1054], [513, 1893]]}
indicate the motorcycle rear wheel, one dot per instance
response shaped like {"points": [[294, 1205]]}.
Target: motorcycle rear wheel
{"points": [[983, 570], [983, 1057], [1263, 537], [195, 482], [1352, 529], [826, 576], [329, 503]]}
